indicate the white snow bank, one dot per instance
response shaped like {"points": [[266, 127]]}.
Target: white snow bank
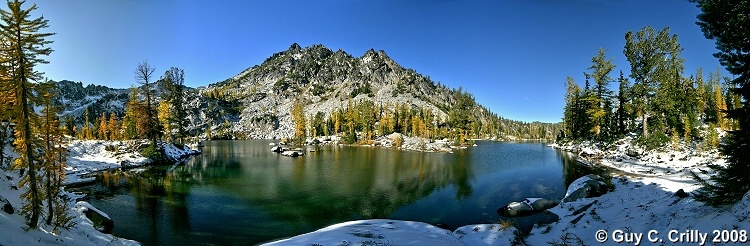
{"points": [[375, 232], [396, 232]]}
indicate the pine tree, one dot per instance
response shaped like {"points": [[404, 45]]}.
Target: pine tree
{"points": [[700, 87], [70, 126], [601, 67], [623, 115], [173, 82], [572, 93], [24, 46], [726, 22], [721, 108], [645, 50]]}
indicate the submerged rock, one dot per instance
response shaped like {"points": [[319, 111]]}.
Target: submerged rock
{"points": [[584, 187], [527, 207]]}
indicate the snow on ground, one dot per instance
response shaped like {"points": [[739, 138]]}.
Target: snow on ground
{"points": [[85, 157], [89, 156], [14, 231], [642, 204], [396, 232]]}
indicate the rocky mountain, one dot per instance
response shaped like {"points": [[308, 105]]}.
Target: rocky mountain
{"points": [[323, 80], [257, 102], [74, 98]]}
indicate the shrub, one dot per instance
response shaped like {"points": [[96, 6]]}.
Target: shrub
{"points": [[154, 153], [653, 141], [398, 140], [350, 138]]}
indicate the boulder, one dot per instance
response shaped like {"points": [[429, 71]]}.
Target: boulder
{"points": [[584, 187], [7, 208], [292, 153], [632, 153], [681, 193], [527, 207], [276, 149]]}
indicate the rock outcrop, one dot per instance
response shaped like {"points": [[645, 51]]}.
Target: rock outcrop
{"points": [[527, 207]]}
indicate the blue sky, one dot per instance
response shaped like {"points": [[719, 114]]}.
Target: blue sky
{"points": [[512, 55]]}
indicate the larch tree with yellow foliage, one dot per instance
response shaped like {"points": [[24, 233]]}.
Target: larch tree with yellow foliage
{"points": [[24, 46]]}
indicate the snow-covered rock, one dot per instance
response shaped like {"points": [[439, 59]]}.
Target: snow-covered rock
{"points": [[100, 219], [584, 187]]}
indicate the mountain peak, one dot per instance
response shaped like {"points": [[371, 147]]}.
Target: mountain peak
{"points": [[295, 47]]}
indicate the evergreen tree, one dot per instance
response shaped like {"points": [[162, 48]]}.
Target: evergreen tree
{"points": [[24, 46], [646, 50], [570, 112], [720, 108], [70, 126], [726, 22], [700, 91], [623, 115], [173, 82], [600, 102]]}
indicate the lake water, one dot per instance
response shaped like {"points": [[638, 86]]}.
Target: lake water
{"points": [[238, 192]]}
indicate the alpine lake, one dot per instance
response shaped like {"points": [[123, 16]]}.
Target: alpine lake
{"points": [[239, 192]]}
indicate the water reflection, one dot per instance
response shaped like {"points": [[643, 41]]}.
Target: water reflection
{"points": [[238, 192]]}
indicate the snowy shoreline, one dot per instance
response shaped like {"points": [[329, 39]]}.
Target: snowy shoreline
{"points": [[85, 158], [643, 201]]}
